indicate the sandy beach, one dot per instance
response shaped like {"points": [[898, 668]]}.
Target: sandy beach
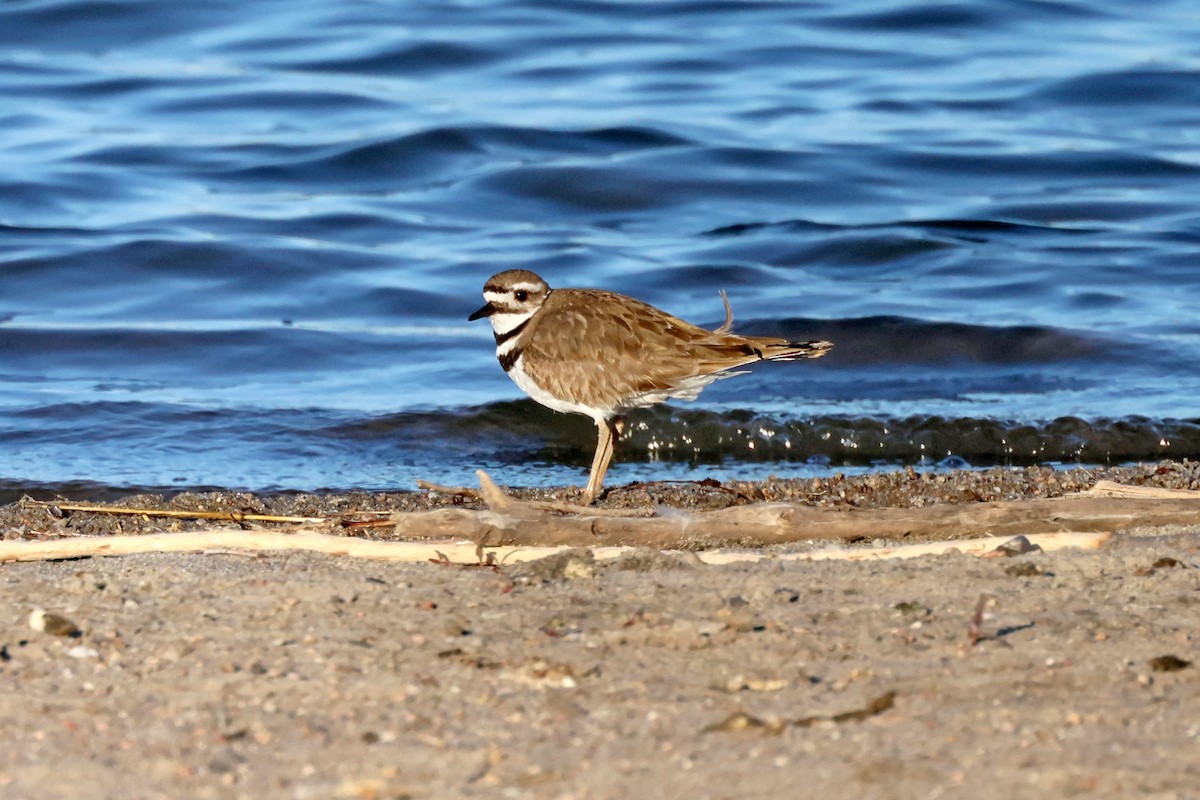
{"points": [[223, 674]]}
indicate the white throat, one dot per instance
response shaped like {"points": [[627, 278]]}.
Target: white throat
{"points": [[503, 322]]}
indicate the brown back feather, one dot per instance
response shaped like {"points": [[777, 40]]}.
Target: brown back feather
{"points": [[590, 344]]}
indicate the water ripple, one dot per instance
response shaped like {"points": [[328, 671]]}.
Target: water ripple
{"points": [[238, 243]]}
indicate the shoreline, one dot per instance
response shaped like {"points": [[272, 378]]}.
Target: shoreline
{"points": [[904, 488], [226, 674]]}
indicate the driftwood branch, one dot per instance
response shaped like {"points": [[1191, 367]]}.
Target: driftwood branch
{"points": [[236, 540], [512, 522], [529, 528]]}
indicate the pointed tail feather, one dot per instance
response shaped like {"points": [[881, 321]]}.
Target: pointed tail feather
{"points": [[768, 349], [793, 351]]}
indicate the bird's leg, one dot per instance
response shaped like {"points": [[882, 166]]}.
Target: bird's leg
{"points": [[607, 431]]}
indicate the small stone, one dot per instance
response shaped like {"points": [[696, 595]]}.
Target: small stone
{"points": [[456, 626], [54, 624], [566, 565], [578, 568], [1169, 663], [80, 651], [1016, 546], [741, 721], [912, 608]]}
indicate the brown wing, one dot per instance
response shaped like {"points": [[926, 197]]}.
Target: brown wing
{"points": [[604, 349]]}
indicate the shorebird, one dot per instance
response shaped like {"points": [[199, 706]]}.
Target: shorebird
{"points": [[599, 353]]}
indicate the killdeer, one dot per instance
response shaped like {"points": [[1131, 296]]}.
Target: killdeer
{"points": [[598, 353]]}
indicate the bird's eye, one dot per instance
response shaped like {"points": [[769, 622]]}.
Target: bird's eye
{"points": [[521, 295]]}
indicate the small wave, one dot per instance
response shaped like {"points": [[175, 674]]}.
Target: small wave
{"points": [[439, 154], [702, 436], [953, 225], [862, 441], [1126, 88], [949, 17], [595, 141], [148, 444], [12, 491], [412, 58]]}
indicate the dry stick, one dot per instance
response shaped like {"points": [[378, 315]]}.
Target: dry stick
{"points": [[217, 539], [173, 513], [228, 540], [346, 520], [465, 491], [498, 500]]}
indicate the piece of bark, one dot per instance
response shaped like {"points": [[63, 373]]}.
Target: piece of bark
{"points": [[1114, 489]]}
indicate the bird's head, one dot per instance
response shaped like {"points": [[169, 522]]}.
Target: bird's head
{"points": [[512, 297]]}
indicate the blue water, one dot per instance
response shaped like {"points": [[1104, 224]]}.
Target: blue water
{"points": [[239, 241]]}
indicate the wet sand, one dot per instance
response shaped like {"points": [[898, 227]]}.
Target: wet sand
{"points": [[304, 676]]}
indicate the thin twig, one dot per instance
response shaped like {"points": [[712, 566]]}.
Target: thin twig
{"points": [[385, 521], [498, 500], [173, 513], [462, 491], [975, 629]]}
